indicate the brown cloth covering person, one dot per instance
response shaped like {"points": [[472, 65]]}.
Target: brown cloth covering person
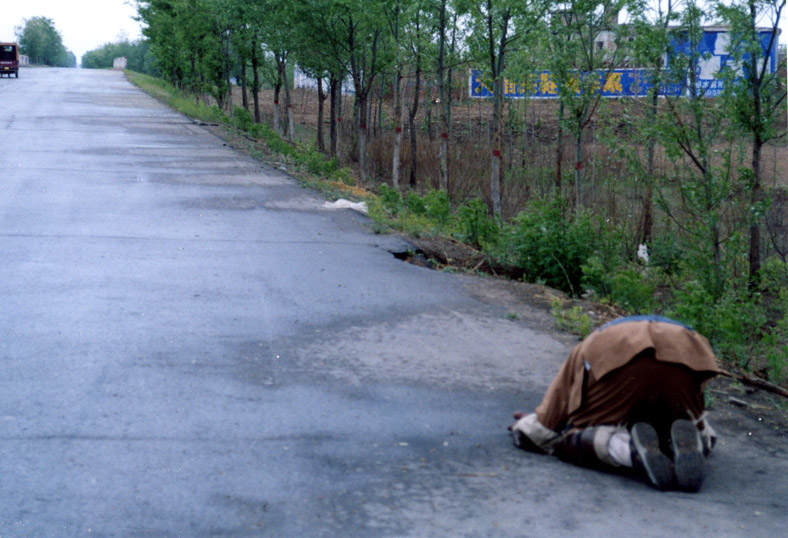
{"points": [[630, 395]]}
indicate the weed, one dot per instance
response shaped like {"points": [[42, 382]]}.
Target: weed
{"points": [[572, 320], [476, 226], [552, 246]]}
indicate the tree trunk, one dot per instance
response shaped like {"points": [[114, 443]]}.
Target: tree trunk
{"points": [[495, 161], [559, 151], [277, 89], [414, 143], [757, 148], [379, 119], [578, 165], [244, 92], [335, 88], [255, 83], [446, 114], [444, 140], [648, 218], [289, 109], [443, 103], [755, 227], [321, 97], [362, 136], [398, 103], [357, 121], [497, 66], [227, 74]]}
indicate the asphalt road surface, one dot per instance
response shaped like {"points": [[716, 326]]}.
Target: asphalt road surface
{"points": [[192, 345]]}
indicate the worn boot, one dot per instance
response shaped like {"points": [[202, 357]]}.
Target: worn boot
{"points": [[647, 457], [688, 458]]}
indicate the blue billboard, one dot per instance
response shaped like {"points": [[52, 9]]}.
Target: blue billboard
{"points": [[543, 85], [712, 56]]}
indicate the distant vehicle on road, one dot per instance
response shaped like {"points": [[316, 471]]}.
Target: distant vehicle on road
{"points": [[9, 59]]}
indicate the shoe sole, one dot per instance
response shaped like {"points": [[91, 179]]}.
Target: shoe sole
{"points": [[658, 466], [689, 462]]}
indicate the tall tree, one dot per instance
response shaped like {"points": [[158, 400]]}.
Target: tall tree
{"points": [[317, 56], [394, 14], [359, 31], [443, 18], [650, 45], [755, 94], [417, 42], [587, 44], [41, 42], [701, 196], [497, 27], [159, 20]]}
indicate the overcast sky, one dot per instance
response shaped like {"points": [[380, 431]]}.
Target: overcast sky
{"points": [[84, 24], [88, 24]]}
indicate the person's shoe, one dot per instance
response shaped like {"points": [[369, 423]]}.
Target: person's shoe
{"points": [[647, 457], [688, 459]]}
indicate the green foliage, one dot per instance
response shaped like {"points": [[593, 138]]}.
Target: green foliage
{"points": [[734, 336], [42, 43], [665, 253], [137, 54], [390, 199], [596, 276], [415, 204], [633, 290], [572, 320], [437, 207], [243, 118], [475, 225], [629, 286], [776, 351], [552, 246], [318, 164]]}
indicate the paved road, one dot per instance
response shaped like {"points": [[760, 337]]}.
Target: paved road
{"points": [[191, 345]]}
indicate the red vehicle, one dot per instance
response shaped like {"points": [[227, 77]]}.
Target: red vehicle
{"points": [[9, 59]]}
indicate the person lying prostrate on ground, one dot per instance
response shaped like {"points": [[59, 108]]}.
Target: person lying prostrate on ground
{"points": [[630, 396]]}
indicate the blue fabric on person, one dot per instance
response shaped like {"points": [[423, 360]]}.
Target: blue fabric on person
{"points": [[643, 318]]}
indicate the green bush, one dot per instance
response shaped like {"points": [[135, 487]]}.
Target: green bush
{"points": [[317, 163], [390, 199], [775, 345], [415, 204], [774, 276], [475, 225], [551, 246], [632, 290], [438, 207], [597, 277], [242, 118], [732, 333], [665, 253], [572, 320]]}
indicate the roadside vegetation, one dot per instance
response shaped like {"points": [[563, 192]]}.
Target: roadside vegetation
{"points": [[137, 53], [40, 41], [669, 205]]}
